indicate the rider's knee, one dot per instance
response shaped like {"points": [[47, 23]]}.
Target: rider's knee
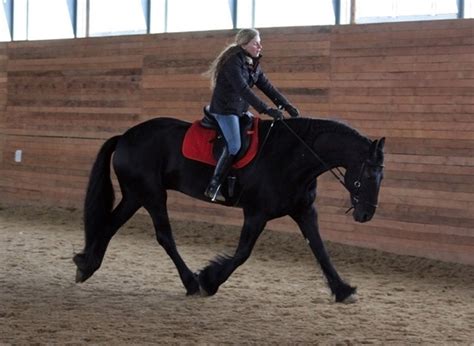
{"points": [[234, 147]]}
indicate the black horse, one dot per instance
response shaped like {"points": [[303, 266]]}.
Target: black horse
{"points": [[281, 181]]}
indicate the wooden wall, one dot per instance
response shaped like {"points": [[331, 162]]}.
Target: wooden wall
{"points": [[410, 82], [3, 95]]}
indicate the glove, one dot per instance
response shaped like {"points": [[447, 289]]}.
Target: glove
{"points": [[292, 111], [274, 113]]}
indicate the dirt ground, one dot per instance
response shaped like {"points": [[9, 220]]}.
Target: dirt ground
{"points": [[278, 296]]}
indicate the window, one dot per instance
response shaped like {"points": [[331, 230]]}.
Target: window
{"points": [[5, 20], [117, 17], [158, 18], [20, 15], [468, 8], [193, 15], [404, 10], [51, 19], [245, 13], [271, 13]]}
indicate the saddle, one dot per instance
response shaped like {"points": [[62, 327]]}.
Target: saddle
{"points": [[204, 141]]}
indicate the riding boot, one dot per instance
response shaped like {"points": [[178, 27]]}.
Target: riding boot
{"points": [[222, 169]]}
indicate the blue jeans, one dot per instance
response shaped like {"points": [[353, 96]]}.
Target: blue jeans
{"points": [[230, 128]]}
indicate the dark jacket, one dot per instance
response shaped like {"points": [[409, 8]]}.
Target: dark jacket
{"points": [[232, 93]]}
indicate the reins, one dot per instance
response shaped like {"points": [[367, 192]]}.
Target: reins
{"points": [[339, 177]]}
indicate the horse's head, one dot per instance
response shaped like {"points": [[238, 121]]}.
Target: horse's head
{"points": [[363, 181]]}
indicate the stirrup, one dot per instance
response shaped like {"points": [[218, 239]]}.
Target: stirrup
{"points": [[214, 195]]}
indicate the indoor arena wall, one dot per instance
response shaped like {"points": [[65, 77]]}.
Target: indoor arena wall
{"points": [[411, 82]]}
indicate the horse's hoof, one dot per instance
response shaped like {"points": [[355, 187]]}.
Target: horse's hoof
{"points": [[192, 287], [82, 274], [203, 292], [200, 289], [78, 260], [204, 288], [351, 299], [344, 292], [79, 276], [192, 293], [193, 290]]}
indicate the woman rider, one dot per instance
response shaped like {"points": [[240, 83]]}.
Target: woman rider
{"points": [[233, 73]]}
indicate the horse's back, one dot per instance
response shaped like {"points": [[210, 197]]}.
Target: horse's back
{"points": [[152, 127], [146, 145]]}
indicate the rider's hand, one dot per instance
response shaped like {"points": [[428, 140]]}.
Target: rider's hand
{"points": [[292, 111], [274, 113]]}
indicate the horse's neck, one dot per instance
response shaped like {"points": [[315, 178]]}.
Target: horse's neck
{"points": [[339, 149], [334, 144]]}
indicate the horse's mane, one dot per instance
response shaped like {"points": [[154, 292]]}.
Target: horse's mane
{"points": [[317, 127]]}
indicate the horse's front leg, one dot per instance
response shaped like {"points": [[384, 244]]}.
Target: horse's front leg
{"points": [[307, 221], [219, 270]]}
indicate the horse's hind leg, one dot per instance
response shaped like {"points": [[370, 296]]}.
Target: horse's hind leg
{"points": [[96, 243], [164, 236]]}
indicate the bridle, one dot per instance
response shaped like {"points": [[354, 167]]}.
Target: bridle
{"points": [[357, 184]]}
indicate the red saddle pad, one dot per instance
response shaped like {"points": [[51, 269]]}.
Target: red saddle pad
{"points": [[198, 142]]}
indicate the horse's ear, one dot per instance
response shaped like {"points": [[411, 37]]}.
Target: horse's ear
{"points": [[373, 149], [381, 143]]}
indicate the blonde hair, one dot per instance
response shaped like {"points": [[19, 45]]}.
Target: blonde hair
{"points": [[242, 38]]}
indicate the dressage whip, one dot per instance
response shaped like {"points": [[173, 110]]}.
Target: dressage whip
{"points": [[257, 159]]}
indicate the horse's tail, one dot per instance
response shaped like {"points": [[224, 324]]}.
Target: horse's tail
{"points": [[100, 195]]}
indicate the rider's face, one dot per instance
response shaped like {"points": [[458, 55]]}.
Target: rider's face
{"points": [[254, 47]]}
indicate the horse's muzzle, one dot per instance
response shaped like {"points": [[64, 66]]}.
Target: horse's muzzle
{"points": [[363, 214]]}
